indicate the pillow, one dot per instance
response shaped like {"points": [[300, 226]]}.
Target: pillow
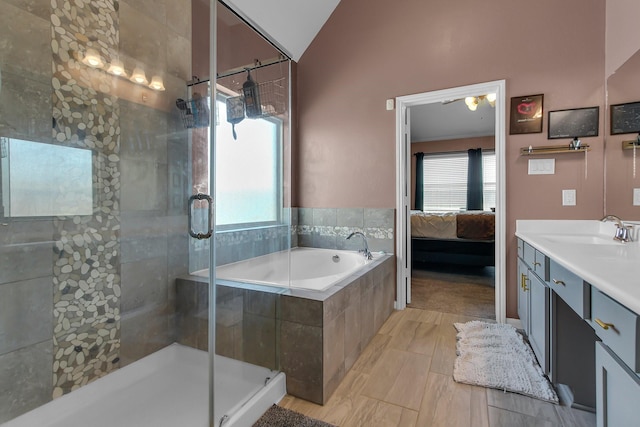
{"points": [[476, 225]]}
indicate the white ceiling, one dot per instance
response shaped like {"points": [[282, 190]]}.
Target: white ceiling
{"points": [[453, 120], [290, 24]]}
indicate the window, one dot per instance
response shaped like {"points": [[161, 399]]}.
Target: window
{"points": [[445, 181], [248, 171]]}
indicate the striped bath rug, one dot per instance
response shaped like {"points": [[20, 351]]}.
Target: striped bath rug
{"points": [[497, 356]]}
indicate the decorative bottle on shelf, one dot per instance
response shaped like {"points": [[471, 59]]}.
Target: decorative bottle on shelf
{"points": [[252, 106]]}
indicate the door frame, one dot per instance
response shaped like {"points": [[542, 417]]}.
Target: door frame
{"points": [[403, 185]]}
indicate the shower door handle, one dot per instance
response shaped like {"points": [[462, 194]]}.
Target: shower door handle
{"points": [[209, 232]]}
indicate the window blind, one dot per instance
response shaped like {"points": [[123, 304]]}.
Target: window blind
{"points": [[445, 181]]}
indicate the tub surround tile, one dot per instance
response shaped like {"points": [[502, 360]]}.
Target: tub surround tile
{"points": [[320, 334], [328, 228], [350, 217], [305, 216], [325, 217], [333, 349], [259, 341], [301, 350], [301, 310]]}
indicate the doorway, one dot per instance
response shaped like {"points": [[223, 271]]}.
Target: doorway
{"points": [[403, 184]]}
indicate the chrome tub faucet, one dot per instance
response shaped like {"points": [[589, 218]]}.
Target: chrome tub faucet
{"points": [[364, 251], [623, 232]]}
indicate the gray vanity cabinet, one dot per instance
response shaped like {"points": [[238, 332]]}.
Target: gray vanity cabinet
{"points": [[586, 342], [618, 390], [539, 320], [523, 294], [533, 303]]}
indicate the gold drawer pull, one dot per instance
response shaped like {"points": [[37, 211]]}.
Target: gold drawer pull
{"points": [[559, 282], [604, 325], [536, 263]]}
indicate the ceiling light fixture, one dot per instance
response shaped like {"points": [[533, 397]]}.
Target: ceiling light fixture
{"points": [[473, 101]]}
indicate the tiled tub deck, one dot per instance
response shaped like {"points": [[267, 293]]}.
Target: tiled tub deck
{"points": [[314, 337]]}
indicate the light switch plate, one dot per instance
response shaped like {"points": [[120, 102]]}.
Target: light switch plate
{"points": [[568, 197], [390, 104], [542, 166], [636, 197]]}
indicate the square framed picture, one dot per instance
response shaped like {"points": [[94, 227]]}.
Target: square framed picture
{"points": [[526, 114], [574, 123], [625, 118]]}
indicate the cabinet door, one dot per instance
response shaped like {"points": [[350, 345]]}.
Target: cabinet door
{"points": [[523, 295], [617, 390], [539, 320]]}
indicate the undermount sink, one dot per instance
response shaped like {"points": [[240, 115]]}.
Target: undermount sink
{"points": [[581, 239]]}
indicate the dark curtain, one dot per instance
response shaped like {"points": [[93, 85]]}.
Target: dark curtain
{"points": [[419, 181], [474, 180]]}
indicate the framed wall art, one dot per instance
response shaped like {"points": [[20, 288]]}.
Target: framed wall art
{"points": [[574, 123], [526, 114], [625, 118]]}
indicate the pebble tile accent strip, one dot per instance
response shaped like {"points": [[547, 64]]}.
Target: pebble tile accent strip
{"points": [[86, 248]]}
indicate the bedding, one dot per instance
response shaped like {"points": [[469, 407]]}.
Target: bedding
{"points": [[453, 237]]}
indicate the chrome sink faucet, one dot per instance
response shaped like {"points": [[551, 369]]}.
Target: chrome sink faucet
{"points": [[364, 251], [623, 232]]}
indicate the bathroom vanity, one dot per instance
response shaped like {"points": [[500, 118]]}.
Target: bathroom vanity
{"points": [[579, 303]]}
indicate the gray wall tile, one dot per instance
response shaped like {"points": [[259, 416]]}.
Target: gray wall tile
{"points": [[26, 313], [144, 283], [325, 216], [379, 218], [305, 216], [25, 379], [350, 217], [27, 261]]}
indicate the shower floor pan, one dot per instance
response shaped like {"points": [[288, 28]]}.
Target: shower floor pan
{"points": [[167, 388]]}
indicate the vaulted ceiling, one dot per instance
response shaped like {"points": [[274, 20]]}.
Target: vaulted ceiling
{"points": [[293, 24]]}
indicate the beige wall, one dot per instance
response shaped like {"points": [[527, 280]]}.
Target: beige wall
{"points": [[371, 50]]}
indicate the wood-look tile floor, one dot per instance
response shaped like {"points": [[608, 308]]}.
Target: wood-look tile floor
{"points": [[404, 377]]}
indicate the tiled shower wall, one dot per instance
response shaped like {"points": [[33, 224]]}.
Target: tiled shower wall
{"points": [[77, 298]]}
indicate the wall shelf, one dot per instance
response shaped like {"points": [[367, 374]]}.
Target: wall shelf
{"points": [[553, 149], [629, 145]]}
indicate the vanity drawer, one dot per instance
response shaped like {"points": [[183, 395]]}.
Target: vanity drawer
{"points": [[520, 248], [571, 288], [528, 254], [618, 328], [536, 260]]}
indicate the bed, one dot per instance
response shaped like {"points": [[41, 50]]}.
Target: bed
{"points": [[466, 238]]}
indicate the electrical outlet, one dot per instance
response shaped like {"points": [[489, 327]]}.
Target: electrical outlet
{"points": [[568, 197], [636, 197]]}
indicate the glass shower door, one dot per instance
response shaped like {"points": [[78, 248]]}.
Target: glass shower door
{"points": [[96, 171]]}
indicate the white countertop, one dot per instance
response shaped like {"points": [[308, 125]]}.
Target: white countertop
{"points": [[613, 267]]}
